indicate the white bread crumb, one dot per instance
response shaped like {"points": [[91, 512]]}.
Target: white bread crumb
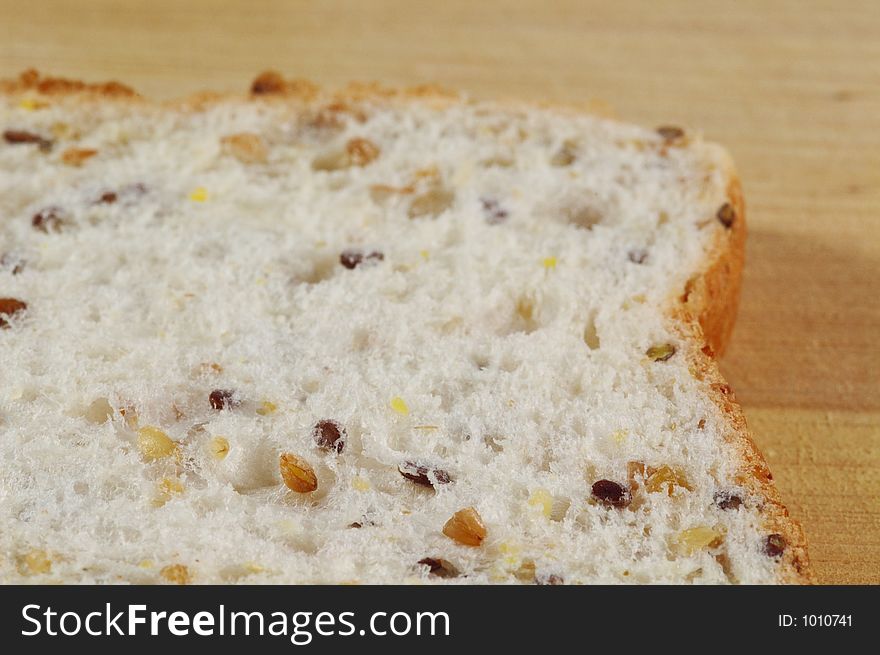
{"points": [[513, 327]]}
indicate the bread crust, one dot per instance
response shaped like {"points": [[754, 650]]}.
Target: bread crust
{"points": [[711, 297], [706, 314], [31, 81], [703, 314]]}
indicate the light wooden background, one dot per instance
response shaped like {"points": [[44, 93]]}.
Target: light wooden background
{"points": [[793, 88]]}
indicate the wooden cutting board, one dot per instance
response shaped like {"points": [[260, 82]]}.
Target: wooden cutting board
{"points": [[792, 88]]}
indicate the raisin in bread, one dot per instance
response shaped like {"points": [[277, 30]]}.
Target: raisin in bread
{"points": [[369, 336]]}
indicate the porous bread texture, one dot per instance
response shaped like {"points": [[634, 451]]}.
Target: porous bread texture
{"points": [[530, 260]]}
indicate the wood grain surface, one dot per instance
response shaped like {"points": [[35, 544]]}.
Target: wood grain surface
{"points": [[792, 88]]}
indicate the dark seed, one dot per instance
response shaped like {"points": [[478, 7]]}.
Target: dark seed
{"points": [[329, 435], [365, 522], [353, 258], [129, 191], [774, 545], [551, 579], [611, 494], [495, 214], [431, 563], [726, 215], [223, 399], [439, 567], [9, 307], [49, 219], [637, 256], [350, 258], [21, 136], [420, 474], [670, 132], [727, 500], [268, 82], [723, 389], [15, 137]]}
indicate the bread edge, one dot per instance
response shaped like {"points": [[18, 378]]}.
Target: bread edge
{"points": [[704, 314]]}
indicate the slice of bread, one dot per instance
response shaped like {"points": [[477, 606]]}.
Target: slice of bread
{"points": [[369, 336]]}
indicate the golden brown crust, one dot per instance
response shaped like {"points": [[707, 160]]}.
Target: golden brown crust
{"points": [[712, 297], [270, 85], [705, 313], [754, 475], [31, 80]]}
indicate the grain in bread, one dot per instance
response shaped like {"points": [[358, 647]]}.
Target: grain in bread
{"points": [[369, 336]]}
